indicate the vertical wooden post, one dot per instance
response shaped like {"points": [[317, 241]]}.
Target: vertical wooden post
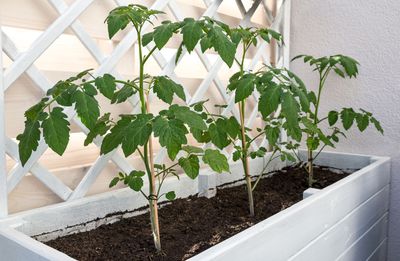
{"points": [[3, 170]]}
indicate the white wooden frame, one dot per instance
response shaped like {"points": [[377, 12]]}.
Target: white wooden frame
{"points": [[68, 18], [345, 221]]}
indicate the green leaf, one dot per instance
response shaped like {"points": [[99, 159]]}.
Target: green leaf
{"points": [[106, 85], [218, 134], [312, 143], [170, 195], [236, 155], [163, 33], [123, 94], [216, 160], [100, 128], [362, 121], [135, 183], [192, 149], [28, 140], [115, 23], [290, 110], [171, 133], [333, 117], [137, 133], [66, 98], [222, 45], [147, 38], [347, 115], [56, 130], [269, 100], [87, 108], [376, 124], [232, 127], [192, 32], [89, 89], [245, 87], [117, 133], [190, 165], [272, 134], [165, 89], [114, 182], [189, 117]]}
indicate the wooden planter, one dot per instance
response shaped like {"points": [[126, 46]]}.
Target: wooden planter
{"points": [[345, 221]]}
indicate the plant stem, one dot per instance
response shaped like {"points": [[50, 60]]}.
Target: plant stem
{"points": [[148, 154], [245, 158]]}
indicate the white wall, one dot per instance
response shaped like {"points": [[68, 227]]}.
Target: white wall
{"points": [[368, 31]]}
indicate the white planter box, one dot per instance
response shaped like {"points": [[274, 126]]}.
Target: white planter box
{"points": [[345, 221]]}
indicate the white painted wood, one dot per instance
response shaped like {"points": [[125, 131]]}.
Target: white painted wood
{"points": [[380, 253], [3, 170], [347, 220], [340, 236], [364, 246], [309, 192], [16, 246], [44, 41], [317, 214]]}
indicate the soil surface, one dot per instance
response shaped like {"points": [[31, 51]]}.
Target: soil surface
{"points": [[190, 226]]}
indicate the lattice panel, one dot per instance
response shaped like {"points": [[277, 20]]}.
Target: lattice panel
{"points": [[23, 63]]}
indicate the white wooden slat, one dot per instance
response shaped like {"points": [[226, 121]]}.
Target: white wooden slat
{"points": [[3, 170], [339, 237], [48, 179], [366, 244], [41, 81], [380, 252], [286, 5], [15, 245], [80, 32], [343, 197], [44, 41], [94, 171]]}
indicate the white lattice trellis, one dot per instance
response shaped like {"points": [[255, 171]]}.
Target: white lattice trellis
{"points": [[68, 18]]}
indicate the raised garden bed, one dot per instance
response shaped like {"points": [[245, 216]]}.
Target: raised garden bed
{"points": [[347, 220]]}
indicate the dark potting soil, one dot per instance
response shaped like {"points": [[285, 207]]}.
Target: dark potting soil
{"points": [[190, 226]]}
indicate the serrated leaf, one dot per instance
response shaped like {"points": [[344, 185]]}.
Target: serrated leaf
{"points": [[218, 134], [135, 183], [192, 149], [89, 89], [115, 23], [106, 85], [192, 32], [165, 89], [190, 166], [113, 182], [312, 143], [87, 108], [245, 87], [147, 38], [28, 140], [332, 117], [222, 45], [347, 116], [290, 110], [272, 134], [117, 133], [376, 124], [232, 127], [362, 121], [216, 160], [171, 133], [189, 117], [123, 94], [137, 134], [163, 33], [170, 195], [56, 130], [269, 100], [236, 155], [100, 128]]}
